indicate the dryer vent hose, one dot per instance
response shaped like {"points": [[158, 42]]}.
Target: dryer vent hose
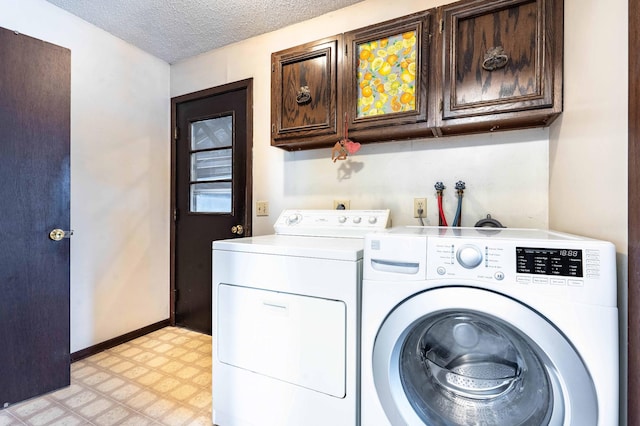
{"points": [[488, 222]]}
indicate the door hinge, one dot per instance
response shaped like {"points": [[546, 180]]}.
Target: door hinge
{"points": [[346, 50], [273, 67], [273, 128], [175, 215], [176, 133], [441, 26]]}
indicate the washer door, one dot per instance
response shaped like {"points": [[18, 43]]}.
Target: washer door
{"points": [[466, 356]]}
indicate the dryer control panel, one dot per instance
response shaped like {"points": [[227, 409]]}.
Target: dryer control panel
{"points": [[332, 223]]}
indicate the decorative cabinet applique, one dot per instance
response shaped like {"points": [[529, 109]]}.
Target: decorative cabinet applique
{"points": [[502, 64], [387, 79], [306, 105]]}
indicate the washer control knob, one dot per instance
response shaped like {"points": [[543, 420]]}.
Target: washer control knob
{"points": [[469, 256], [357, 219], [441, 270], [342, 219], [373, 219]]}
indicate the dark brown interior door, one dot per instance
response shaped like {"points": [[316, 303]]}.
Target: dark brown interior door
{"points": [[212, 190], [34, 189]]}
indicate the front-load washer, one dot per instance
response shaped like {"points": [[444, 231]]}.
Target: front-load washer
{"points": [[286, 321], [478, 326]]}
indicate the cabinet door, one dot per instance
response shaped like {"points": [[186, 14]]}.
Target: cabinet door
{"points": [[502, 64], [387, 79], [305, 102]]}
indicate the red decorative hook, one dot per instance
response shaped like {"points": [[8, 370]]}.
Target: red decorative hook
{"points": [[345, 146]]}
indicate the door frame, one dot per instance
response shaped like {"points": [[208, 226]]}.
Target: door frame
{"points": [[246, 84], [633, 282]]}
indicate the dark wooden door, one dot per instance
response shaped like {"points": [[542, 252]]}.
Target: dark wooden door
{"points": [[212, 190], [34, 189]]}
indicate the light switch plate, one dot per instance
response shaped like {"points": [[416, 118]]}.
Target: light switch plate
{"points": [[262, 208]]}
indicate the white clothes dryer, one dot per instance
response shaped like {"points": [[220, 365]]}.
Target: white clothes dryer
{"points": [[286, 321], [479, 326]]}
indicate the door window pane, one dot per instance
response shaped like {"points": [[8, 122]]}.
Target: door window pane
{"points": [[211, 197], [211, 156], [212, 133], [211, 165]]}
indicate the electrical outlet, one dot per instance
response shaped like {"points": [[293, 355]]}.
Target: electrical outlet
{"points": [[345, 203], [262, 208], [418, 204]]}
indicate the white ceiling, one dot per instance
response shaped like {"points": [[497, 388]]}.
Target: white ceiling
{"points": [[178, 29]]}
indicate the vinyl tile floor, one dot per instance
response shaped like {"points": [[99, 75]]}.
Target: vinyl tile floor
{"points": [[162, 378]]}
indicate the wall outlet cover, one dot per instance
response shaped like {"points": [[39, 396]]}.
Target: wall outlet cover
{"points": [[419, 204]]}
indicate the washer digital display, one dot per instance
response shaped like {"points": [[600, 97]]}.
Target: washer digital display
{"points": [[548, 261]]}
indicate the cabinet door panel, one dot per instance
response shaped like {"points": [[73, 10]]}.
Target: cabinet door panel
{"points": [[387, 79], [305, 102], [513, 31], [501, 57]]}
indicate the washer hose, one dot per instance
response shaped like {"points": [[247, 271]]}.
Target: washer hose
{"points": [[460, 187], [442, 220]]}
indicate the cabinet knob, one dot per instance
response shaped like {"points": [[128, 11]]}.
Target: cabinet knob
{"points": [[237, 229], [494, 59], [303, 96]]}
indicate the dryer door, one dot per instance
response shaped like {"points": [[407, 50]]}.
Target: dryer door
{"points": [[465, 356]]}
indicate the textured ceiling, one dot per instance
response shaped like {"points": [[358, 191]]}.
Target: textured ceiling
{"points": [[177, 29]]}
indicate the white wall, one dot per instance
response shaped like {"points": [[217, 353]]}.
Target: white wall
{"points": [[120, 175], [497, 168], [589, 143]]}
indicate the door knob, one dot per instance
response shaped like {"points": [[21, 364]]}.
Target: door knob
{"points": [[237, 229], [59, 234]]}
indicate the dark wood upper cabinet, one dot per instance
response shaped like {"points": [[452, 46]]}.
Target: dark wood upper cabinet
{"points": [[305, 100], [467, 67], [387, 79], [501, 64]]}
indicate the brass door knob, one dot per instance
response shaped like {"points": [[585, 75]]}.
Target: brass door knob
{"points": [[59, 234], [237, 229]]}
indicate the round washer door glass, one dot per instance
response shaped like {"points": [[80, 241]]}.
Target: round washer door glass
{"points": [[465, 356], [457, 361]]}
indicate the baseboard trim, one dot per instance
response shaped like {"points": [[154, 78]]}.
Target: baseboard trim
{"points": [[108, 344]]}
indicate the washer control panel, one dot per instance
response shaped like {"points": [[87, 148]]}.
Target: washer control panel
{"points": [[495, 260], [513, 261], [334, 223]]}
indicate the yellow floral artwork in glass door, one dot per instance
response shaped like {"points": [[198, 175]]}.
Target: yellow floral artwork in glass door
{"points": [[387, 75]]}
